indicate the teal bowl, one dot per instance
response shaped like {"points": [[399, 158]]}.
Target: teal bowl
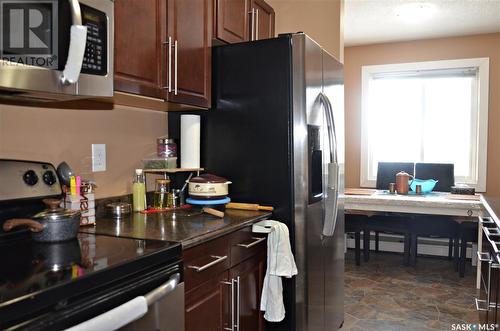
{"points": [[427, 184]]}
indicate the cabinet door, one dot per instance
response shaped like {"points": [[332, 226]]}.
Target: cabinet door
{"points": [[208, 305], [190, 26], [232, 20], [250, 274], [140, 55], [264, 19]]}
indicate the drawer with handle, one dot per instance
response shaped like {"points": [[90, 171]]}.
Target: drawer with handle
{"points": [[205, 261], [488, 259], [245, 244]]}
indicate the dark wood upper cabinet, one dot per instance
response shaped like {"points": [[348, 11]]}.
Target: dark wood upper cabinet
{"points": [[232, 20], [264, 19], [244, 20], [163, 49], [190, 29], [140, 27]]}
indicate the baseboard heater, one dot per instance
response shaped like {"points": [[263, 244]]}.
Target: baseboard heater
{"points": [[426, 246]]}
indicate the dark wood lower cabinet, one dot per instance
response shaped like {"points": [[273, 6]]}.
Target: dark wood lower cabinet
{"points": [[250, 276], [207, 306], [224, 279]]}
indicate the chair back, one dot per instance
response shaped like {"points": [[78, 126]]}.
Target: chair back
{"points": [[443, 172], [386, 172]]}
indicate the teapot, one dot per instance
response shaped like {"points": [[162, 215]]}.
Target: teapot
{"points": [[403, 182]]}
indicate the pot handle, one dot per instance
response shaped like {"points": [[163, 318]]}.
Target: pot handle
{"points": [[16, 222]]}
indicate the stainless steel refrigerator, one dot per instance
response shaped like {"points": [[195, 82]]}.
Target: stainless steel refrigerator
{"points": [[276, 131]]}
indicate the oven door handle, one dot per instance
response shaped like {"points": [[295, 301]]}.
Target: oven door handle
{"points": [[162, 291], [130, 311], [77, 43]]}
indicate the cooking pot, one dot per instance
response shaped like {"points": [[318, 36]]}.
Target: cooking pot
{"points": [[52, 224], [208, 187]]}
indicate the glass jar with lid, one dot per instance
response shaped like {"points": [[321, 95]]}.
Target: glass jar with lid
{"points": [[160, 196]]}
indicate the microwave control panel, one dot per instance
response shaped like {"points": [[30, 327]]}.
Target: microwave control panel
{"points": [[95, 60]]}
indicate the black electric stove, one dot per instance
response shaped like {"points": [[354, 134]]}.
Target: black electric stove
{"points": [[52, 286]]}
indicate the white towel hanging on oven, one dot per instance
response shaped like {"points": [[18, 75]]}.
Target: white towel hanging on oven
{"points": [[280, 263]]}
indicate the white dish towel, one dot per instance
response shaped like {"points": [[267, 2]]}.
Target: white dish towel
{"points": [[280, 263]]}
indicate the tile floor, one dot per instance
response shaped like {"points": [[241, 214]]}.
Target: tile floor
{"points": [[385, 295]]}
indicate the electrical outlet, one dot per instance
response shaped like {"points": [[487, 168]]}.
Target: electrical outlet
{"points": [[98, 157]]}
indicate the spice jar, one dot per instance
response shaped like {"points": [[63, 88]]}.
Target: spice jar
{"points": [[166, 147]]}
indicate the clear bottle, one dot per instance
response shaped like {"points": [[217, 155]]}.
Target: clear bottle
{"points": [[139, 191], [160, 197]]}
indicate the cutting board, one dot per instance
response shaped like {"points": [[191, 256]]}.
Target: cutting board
{"points": [[359, 191]]}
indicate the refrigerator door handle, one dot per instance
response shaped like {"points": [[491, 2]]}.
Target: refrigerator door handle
{"points": [[331, 203]]}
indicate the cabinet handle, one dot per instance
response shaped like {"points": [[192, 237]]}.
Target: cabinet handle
{"points": [[218, 259], [231, 283], [163, 44], [253, 243], [169, 64], [252, 24], [256, 24], [175, 67], [237, 281]]}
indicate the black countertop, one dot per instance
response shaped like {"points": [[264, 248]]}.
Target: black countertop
{"points": [[189, 231]]}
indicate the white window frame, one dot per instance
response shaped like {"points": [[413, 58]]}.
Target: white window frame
{"points": [[482, 64]]}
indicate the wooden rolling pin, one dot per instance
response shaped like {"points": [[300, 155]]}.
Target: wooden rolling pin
{"points": [[248, 206]]}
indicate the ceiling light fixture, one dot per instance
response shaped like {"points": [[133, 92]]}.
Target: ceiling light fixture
{"points": [[416, 11]]}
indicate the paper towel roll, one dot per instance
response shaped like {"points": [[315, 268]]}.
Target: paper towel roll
{"points": [[190, 141]]}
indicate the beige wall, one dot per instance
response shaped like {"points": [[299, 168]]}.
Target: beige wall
{"points": [[320, 19], [56, 135], [487, 45]]}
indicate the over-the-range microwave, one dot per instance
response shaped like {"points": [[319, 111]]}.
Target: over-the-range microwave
{"points": [[56, 49]]}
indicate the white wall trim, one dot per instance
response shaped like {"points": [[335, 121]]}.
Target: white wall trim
{"points": [[366, 179]]}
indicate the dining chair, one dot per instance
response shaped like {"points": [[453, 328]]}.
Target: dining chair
{"points": [[468, 234], [356, 224], [391, 223], [432, 226]]}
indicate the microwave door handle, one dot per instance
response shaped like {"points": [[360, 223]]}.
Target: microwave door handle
{"points": [[331, 203], [77, 43]]}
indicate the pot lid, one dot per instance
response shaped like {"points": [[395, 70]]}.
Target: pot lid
{"points": [[207, 179], [54, 212]]}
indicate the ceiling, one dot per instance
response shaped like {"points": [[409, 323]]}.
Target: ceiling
{"points": [[380, 21]]}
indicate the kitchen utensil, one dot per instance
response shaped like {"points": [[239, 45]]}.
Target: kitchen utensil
{"points": [[248, 206], [64, 173], [118, 209], [52, 224], [212, 207], [208, 187], [402, 182], [427, 185]]}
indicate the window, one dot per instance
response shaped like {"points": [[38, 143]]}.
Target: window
{"points": [[426, 112]]}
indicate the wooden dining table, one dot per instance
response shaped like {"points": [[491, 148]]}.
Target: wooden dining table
{"points": [[370, 202]]}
